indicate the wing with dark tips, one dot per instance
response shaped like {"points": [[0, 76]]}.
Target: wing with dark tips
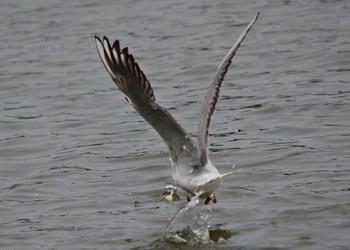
{"points": [[212, 95], [132, 82]]}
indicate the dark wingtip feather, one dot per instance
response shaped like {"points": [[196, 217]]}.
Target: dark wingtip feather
{"points": [[116, 44]]}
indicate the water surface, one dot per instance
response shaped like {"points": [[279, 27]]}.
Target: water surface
{"points": [[79, 169]]}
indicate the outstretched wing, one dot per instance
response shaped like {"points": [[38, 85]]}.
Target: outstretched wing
{"points": [[132, 82], [212, 95]]}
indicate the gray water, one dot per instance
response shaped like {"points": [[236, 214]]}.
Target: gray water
{"points": [[79, 169]]}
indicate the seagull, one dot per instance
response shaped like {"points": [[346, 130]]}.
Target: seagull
{"points": [[192, 169]]}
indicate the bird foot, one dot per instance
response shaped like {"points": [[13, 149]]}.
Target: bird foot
{"points": [[209, 198]]}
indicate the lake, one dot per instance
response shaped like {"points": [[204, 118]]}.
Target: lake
{"points": [[80, 169]]}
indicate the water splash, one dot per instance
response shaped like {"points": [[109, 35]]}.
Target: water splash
{"points": [[190, 224], [171, 193]]}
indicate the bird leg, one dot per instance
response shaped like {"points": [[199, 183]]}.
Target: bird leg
{"points": [[207, 200], [210, 197]]}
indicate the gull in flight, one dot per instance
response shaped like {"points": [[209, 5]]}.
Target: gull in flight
{"points": [[191, 167]]}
